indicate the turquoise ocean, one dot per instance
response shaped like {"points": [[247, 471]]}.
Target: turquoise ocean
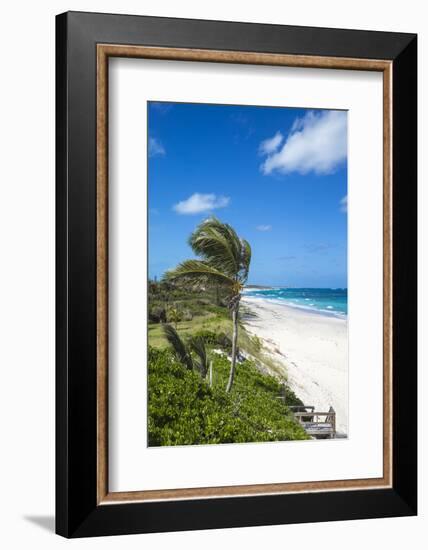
{"points": [[327, 301]]}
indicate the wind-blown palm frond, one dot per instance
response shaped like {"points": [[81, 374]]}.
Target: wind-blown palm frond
{"points": [[199, 272], [198, 346], [218, 244], [178, 346]]}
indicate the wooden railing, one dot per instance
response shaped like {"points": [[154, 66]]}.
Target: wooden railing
{"points": [[318, 424]]}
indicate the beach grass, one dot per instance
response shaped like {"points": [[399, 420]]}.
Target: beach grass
{"points": [[217, 321], [187, 409], [207, 322]]}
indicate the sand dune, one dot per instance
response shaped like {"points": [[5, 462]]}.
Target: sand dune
{"points": [[313, 349]]}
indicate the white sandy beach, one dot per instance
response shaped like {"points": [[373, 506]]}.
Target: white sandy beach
{"points": [[313, 349]]}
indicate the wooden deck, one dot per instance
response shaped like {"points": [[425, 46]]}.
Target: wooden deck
{"points": [[317, 424]]}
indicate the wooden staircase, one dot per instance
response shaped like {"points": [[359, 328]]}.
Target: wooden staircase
{"points": [[317, 424]]}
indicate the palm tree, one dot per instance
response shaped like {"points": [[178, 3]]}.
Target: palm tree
{"points": [[174, 316], [197, 345], [180, 350], [183, 351], [225, 261]]}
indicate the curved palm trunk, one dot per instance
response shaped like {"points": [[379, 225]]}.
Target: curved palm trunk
{"points": [[234, 346]]}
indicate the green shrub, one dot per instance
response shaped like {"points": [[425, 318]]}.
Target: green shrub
{"points": [[173, 315], [185, 410], [215, 339], [157, 314]]}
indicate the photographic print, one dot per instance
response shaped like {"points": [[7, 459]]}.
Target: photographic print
{"points": [[247, 274], [208, 232]]}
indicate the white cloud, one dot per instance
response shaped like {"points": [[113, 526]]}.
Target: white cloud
{"points": [[344, 204], [270, 145], [199, 202], [156, 148], [264, 228], [316, 143]]}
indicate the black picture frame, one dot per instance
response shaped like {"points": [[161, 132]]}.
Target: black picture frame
{"points": [[77, 511]]}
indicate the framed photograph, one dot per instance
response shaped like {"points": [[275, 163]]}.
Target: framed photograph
{"points": [[236, 274]]}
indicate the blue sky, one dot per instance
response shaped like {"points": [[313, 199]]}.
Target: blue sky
{"points": [[277, 175]]}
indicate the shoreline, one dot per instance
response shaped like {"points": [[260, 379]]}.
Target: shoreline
{"points": [[304, 308], [312, 349], [250, 292]]}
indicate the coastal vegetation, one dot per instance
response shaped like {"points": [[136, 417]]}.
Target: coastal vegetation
{"points": [[210, 381], [225, 261], [185, 410]]}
